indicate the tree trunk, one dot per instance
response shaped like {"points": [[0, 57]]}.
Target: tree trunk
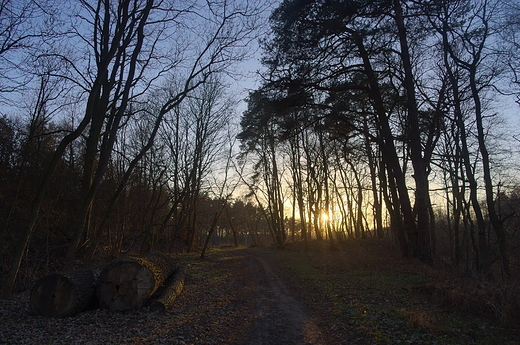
{"points": [[93, 175], [421, 235], [405, 221], [483, 263], [377, 207], [171, 290], [128, 283], [216, 217], [494, 217], [59, 295]]}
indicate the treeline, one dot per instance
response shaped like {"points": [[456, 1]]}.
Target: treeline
{"points": [[383, 117], [114, 127], [167, 202], [374, 118]]}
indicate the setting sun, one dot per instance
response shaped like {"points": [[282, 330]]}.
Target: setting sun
{"points": [[325, 216]]}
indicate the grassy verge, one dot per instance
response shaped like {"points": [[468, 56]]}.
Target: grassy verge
{"points": [[386, 302]]}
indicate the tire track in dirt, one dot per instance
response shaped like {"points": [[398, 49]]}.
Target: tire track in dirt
{"points": [[277, 317]]}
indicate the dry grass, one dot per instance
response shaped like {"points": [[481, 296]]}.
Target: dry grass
{"points": [[493, 300], [376, 297]]}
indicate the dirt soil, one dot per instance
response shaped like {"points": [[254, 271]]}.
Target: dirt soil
{"points": [[361, 293]]}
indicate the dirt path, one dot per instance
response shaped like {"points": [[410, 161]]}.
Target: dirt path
{"points": [[277, 318]]}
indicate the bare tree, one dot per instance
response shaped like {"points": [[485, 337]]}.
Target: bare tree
{"points": [[128, 46], [22, 30], [473, 68]]}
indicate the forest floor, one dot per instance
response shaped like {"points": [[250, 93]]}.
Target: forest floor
{"points": [[361, 293]]}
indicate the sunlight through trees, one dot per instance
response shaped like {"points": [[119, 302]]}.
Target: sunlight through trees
{"points": [[120, 132]]}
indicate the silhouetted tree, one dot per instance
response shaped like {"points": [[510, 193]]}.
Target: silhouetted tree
{"points": [[128, 54]]}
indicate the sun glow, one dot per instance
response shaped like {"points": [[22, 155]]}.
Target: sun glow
{"points": [[325, 216]]}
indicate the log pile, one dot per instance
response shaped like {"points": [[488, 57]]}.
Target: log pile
{"points": [[124, 284], [170, 291], [128, 283], [63, 294]]}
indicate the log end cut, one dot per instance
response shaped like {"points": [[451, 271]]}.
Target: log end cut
{"points": [[125, 284], [58, 295], [53, 296]]}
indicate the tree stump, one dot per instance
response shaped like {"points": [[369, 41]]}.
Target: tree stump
{"points": [[128, 283], [170, 291], [64, 294]]}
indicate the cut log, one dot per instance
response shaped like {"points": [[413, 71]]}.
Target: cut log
{"points": [[128, 283], [64, 294], [167, 295]]}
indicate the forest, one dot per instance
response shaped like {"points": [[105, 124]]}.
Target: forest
{"points": [[125, 128]]}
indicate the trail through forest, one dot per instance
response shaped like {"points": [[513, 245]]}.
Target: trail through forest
{"points": [[361, 293], [277, 318]]}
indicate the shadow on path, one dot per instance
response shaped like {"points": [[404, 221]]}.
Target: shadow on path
{"points": [[277, 317]]}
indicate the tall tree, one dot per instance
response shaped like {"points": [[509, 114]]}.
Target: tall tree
{"points": [[128, 53], [471, 53], [422, 199], [325, 47]]}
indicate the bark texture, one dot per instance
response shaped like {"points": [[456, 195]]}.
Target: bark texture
{"points": [[170, 291], [128, 283]]}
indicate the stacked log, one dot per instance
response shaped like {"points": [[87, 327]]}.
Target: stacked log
{"points": [[124, 284], [128, 283], [64, 294], [170, 291]]}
